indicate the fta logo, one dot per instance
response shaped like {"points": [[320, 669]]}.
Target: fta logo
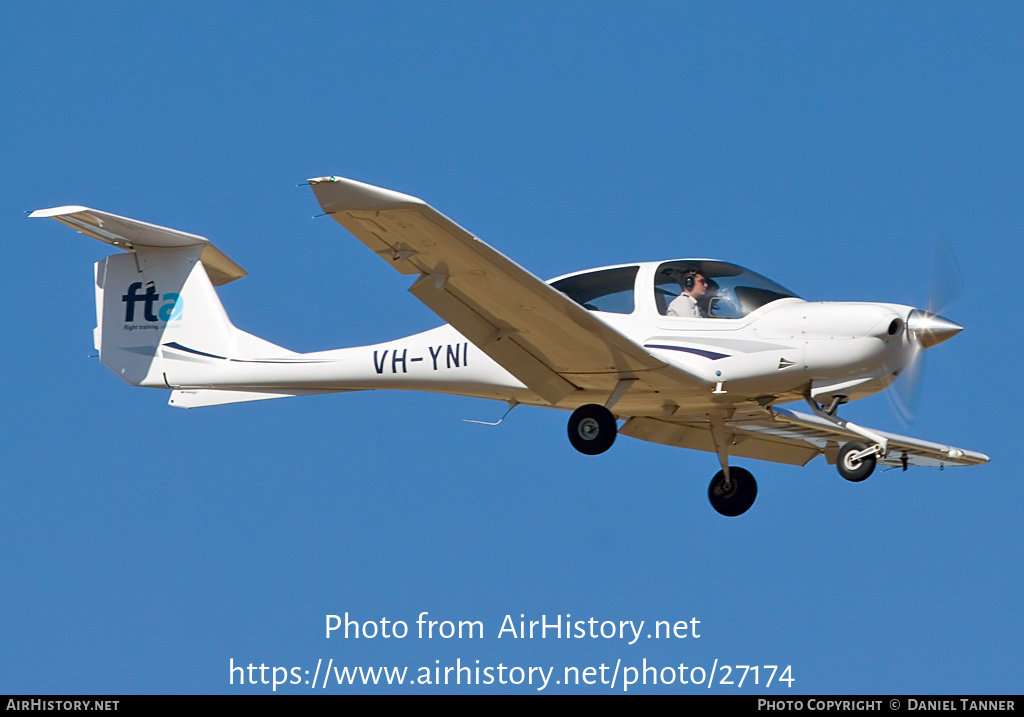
{"points": [[170, 310]]}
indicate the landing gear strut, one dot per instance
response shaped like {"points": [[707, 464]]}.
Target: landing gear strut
{"points": [[734, 495], [732, 490], [856, 459], [592, 429]]}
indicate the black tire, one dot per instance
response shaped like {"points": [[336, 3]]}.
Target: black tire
{"points": [[738, 498], [592, 429], [851, 470]]}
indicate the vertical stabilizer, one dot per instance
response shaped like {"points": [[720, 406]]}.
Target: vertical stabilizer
{"points": [[156, 297], [159, 294]]}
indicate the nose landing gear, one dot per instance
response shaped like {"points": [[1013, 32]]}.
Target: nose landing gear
{"points": [[856, 461]]}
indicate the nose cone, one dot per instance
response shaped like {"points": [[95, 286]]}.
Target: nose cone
{"points": [[931, 329]]}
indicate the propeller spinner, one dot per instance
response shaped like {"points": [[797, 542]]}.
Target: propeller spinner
{"points": [[928, 329]]}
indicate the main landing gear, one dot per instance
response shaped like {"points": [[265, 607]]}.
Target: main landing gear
{"points": [[732, 490], [592, 429], [732, 493]]}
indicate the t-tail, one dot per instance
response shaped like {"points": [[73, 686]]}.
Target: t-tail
{"points": [[157, 299]]}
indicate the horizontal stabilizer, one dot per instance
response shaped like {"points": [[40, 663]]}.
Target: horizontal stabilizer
{"points": [[127, 234]]}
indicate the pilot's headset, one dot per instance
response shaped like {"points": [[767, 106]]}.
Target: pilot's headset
{"points": [[689, 279]]}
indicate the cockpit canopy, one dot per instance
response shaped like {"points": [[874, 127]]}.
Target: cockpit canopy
{"points": [[733, 292]]}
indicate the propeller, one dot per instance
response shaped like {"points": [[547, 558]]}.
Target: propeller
{"points": [[927, 329]]}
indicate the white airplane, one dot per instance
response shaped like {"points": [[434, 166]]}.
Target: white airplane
{"points": [[601, 343]]}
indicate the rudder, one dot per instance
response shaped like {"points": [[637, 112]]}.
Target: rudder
{"points": [[160, 293], [151, 298]]}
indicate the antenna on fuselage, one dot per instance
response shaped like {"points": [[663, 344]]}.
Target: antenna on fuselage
{"points": [[511, 404]]}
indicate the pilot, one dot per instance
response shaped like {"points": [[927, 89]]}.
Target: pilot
{"points": [[694, 286]]}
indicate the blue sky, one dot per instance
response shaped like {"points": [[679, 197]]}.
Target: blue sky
{"points": [[826, 147]]}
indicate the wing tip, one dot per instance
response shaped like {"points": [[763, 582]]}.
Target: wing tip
{"points": [[338, 194], [57, 211]]}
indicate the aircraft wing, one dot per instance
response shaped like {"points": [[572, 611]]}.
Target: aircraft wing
{"points": [[783, 436], [539, 335]]}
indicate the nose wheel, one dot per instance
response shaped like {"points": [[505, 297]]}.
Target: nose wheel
{"points": [[734, 495], [592, 429], [855, 462]]}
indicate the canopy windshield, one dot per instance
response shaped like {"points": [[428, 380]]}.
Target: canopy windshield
{"points": [[733, 292]]}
